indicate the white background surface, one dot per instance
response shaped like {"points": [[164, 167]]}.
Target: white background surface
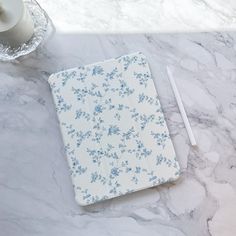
{"points": [[141, 15], [36, 195]]}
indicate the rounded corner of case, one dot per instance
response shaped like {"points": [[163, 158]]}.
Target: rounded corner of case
{"points": [[50, 78], [80, 201]]}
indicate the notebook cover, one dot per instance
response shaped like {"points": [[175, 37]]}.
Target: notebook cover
{"points": [[115, 135]]}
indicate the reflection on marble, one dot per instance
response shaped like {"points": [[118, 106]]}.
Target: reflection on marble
{"points": [[141, 15], [36, 195]]}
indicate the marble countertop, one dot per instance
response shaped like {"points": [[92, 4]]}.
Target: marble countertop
{"points": [[36, 195]]}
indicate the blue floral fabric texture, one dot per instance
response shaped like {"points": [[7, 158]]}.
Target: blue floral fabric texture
{"points": [[115, 135]]}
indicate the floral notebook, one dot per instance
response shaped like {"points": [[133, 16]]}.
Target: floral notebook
{"points": [[114, 131]]}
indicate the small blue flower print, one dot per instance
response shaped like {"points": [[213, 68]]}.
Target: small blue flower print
{"points": [[113, 155], [129, 134], [82, 136], [127, 61], [117, 116], [111, 75], [97, 70], [144, 98], [66, 75], [160, 159], [98, 123], [122, 147], [142, 62], [120, 107], [138, 169], [141, 150], [98, 109], [81, 94], [81, 76], [94, 177], [61, 105], [97, 137], [76, 168], [128, 169], [152, 177], [86, 194], [134, 114], [160, 120], [67, 148], [111, 107], [70, 130], [143, 78], [82, 114], [96, 155], [134, 179], [124, 89], [145, 120], [113, 129], [142, 119], [80, 170], [114, 172], [115, 187], [141, 98], [160, 138]]}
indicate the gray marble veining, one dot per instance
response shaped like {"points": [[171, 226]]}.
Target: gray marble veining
{"points": [[36, 195], [141, 15]]}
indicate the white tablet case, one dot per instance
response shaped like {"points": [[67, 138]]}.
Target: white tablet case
{"points": [[114, 131]]}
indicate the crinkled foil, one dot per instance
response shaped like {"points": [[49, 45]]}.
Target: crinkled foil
{"points": [[43, 28]]}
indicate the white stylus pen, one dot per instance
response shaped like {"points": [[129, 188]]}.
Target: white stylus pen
{"points": [[181, 107]]}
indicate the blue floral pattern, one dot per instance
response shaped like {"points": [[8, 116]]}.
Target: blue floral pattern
{"points": [[114, 131]]}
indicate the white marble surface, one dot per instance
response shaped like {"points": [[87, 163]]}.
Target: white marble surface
{"points": [[36, 195], [141, 15]]}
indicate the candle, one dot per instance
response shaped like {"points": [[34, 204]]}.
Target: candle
{"points": [[16, 25]]}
